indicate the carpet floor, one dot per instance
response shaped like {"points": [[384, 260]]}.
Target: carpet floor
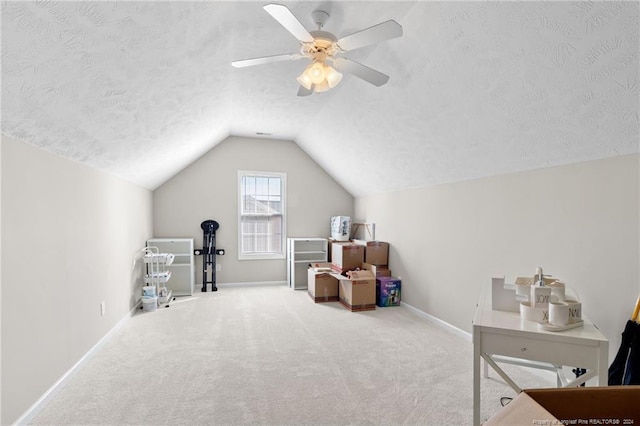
{"points": [[268, 355]]}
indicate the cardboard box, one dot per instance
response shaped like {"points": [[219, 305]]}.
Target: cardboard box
{"points": [[387, 291], [322, 286], [378, 271], [347, 256], [358, 291], [376, 252], [330, 246], [611, 405], [321, 267]]}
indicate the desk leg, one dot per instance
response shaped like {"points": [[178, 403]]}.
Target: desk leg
{"points": [[476, 377], [603, 365]]}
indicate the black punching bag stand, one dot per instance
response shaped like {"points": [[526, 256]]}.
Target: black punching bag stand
{"points": [[209, 228]]}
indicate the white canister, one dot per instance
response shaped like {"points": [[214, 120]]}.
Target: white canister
{"points": [[575, 311], [540, 315], [558, 314]]}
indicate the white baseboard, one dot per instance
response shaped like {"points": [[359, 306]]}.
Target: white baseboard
{"points": [[543, 373], [465, 335], [251, 284], [37, 406]]}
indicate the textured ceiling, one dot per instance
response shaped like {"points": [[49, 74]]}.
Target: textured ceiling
{"points": [[142, 89]]}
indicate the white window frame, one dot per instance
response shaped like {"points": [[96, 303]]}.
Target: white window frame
{"points": [[283, 194]]}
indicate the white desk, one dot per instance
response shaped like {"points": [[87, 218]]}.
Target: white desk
{"points": [[501, 333]]}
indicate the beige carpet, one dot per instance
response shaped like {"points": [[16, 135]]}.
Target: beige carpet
{"points": [[268, 355]]}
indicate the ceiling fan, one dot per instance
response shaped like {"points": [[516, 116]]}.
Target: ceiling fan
{"points": [[323, 49]]}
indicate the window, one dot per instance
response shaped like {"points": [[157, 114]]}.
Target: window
{"points": [[261, 211]]}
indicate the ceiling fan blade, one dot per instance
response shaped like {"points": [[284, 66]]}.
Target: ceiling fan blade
{"points": [[303, 91], [361, 71], [288, 20], [381, 32], [266, 60]]}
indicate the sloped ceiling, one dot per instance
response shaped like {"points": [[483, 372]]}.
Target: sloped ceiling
{"points": [[142, 89]]}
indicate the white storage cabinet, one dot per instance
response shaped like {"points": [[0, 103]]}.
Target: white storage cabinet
{"points": [[182, 268], [300, 253]]}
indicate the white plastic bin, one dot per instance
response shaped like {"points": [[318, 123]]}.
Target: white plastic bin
{"points": [[149, 291], [149, 303]]}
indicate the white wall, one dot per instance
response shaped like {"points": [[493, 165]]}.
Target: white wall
{"points": [[579, 222], [207, 189], [1, 144], [70, 238]]}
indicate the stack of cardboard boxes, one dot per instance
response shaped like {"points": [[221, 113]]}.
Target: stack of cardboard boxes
{"points": [[358, 276]]}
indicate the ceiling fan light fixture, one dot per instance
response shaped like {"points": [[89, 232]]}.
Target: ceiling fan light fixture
{"points": [[316, 72], [332, 76], [304, 80], [322, 87], [319, 77], [321, 46]]}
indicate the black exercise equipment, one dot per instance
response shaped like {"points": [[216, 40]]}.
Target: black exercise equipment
{"points": [[209, 228]]}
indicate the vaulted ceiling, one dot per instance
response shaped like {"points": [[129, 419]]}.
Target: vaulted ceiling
{"points": [[142, 89]]}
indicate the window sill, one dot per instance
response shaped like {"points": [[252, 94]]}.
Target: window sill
{"points": [[262, 257]]}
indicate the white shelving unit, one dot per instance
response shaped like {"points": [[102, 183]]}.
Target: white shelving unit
{"points": [[300, 253], [157, 275], [182, 269]]}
